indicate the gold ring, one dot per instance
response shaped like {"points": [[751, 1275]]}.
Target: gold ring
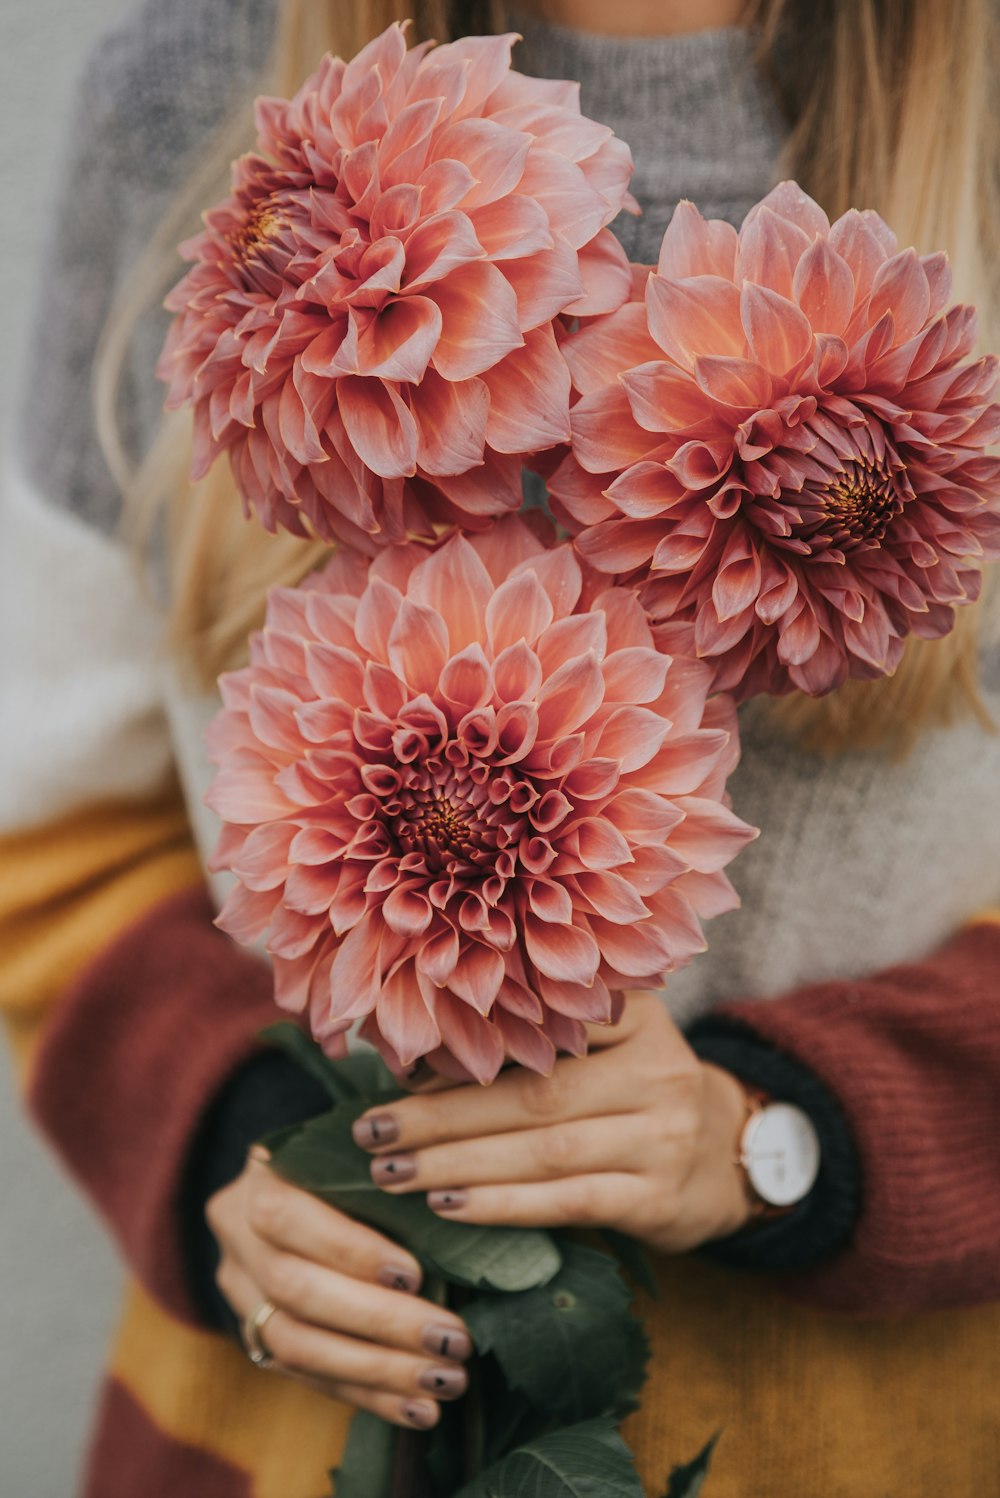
{"points": [[251, 1328]]}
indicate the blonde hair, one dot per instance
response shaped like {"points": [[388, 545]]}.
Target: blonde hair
{"points": [[891, 104]]}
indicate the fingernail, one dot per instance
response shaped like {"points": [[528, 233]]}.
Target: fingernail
{"points": [[447, 1201], [394, 1278], [375, 1129], [445, 1383], [420, 1414], [389, 1172], [448, 1342], [258, 1152]]}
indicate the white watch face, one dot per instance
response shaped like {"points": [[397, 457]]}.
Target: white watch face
{"points": [[780, 1152]]}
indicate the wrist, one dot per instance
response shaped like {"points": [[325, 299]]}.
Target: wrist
{"points": [[819, 1226]]}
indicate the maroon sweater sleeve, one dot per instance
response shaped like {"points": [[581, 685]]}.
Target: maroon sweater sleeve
{"points": [[132, 1057], [912, 1055]]}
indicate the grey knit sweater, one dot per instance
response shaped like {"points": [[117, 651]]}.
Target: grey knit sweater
{"points": [[863, 861]]}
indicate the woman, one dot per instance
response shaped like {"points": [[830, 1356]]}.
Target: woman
{"points": [[135, 1019]]}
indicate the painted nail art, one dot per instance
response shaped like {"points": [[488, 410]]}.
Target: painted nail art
{"points": [[394, 1278], [374, 1130], [444, 1383], [420, 1414], [393, 1170], [447, 1201], [448, 1342]]}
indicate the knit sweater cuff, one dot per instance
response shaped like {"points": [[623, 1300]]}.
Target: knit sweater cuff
{"points": [[269, 1092], [823, 1221], [914, 1061]]}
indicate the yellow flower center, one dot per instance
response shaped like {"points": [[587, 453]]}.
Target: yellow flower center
{"points": [[262, 224]]}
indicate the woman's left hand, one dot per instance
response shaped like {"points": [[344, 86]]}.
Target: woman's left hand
{"points": [[638, 1135]]}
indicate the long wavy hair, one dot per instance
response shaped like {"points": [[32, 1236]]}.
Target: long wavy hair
{"points": [[890, 104]]}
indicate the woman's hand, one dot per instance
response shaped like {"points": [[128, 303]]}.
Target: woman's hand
{"points": [[639, 1135], [348, 1321]]}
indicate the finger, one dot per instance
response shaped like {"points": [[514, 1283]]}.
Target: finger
{"points": [[578, 1087], [586, 1146], [420, 1412], [314, 1352], [609, 1199], [238, 1287], [414, 1414], [328, 1300], [295, 1220]]}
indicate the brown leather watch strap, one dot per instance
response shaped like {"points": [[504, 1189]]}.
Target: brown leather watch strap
{"points": [[760, 1210]]}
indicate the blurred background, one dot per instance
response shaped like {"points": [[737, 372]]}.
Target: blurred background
{"points": [[58, 1277]]}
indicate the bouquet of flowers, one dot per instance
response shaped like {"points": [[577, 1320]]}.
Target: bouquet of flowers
{"points": [[473, 779]]}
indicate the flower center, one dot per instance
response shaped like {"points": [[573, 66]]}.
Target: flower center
{"points": [[850, 501], [862, 502], [460, 818], [433, 824], [262, 224]]}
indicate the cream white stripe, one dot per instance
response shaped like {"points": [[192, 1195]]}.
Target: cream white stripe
{"points": [[80, 667]]}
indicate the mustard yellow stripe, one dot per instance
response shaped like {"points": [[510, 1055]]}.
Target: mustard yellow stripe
{"points": [[986, 918], [201, 1390], [815, 1405], [68, 889]]}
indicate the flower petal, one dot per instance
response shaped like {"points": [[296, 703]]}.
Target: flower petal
{"points": [[471, 342], [694, 317], [529, 397], [403, 1018], [379, 425], [568, 954]]}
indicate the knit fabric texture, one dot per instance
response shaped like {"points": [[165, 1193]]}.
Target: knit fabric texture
{"points": [[700, 122], [152, 94]]}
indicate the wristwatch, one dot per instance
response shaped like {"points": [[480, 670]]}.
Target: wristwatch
{"points": [[779, 1155]]}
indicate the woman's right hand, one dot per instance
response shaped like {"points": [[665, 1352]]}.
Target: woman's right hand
{"points": [[348, 1321]]}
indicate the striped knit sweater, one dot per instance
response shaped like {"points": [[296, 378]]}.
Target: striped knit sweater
{"points": [[131, 1015]]}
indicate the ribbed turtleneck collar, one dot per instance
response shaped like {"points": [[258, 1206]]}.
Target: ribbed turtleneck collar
{"points": [[701, 122]]}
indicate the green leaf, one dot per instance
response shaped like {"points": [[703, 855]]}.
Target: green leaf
{"points": [[367, 1466], [589, 1460], [351, 1077], [633, 1257], [322, 1157], [295, 1043], [368, 1074], [571, 1346], [686, 1482], [278, 1138]]}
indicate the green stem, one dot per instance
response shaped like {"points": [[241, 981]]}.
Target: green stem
{"points": [[474, 1424]]}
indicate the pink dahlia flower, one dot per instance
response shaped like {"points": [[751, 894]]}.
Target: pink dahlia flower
{"points": [[367, 328], [468, 802], [784, 444]]}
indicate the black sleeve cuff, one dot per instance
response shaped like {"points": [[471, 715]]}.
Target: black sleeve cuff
{"points": [[268, 1093], [823, 1221]]}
